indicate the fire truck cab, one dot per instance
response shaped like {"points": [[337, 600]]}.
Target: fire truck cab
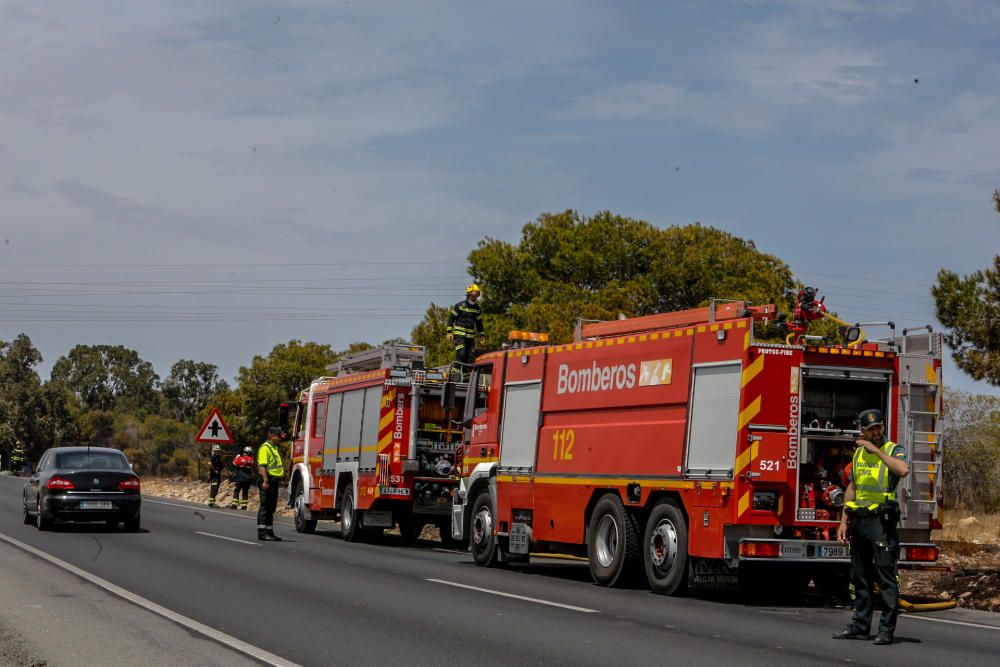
{"points": [[677, 449], [375, 443]]}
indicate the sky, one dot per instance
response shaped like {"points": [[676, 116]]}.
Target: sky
{"points": [[206, 180]]}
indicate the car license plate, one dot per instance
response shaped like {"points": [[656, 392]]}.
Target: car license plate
{"points": [[519, 539], [96, 505], [838, 551]]}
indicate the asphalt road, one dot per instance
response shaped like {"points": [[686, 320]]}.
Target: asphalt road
{"points": [[316, 600]]}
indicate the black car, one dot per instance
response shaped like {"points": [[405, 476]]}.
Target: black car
{"points": [[83, 484]]}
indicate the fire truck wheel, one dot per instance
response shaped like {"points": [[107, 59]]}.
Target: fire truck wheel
{"points": [[613, 543], [483, 539], [665, 552], [349, 528], [302, 524]]}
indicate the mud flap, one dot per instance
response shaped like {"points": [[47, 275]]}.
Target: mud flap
{"points": [[712, 573]]}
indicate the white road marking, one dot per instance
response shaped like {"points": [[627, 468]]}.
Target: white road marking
{"points": [[946, 620], [189, 623], [231, 539], [251, 515], [516, 597]]}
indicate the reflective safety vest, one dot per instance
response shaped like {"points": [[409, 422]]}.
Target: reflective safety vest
{"points": [[871, 479], [17, 456], [465, 320], [269, 457]]}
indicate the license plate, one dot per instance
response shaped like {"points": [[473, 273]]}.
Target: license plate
{"points": [[834, 552], [96, 505], [377, 519], [519, 538]]}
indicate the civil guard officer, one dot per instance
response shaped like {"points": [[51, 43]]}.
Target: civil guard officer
{"points": [[271, 471], [870, 523]]}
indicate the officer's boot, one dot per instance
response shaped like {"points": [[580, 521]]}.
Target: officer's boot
{"points": [[271, 536], [262, 535]]}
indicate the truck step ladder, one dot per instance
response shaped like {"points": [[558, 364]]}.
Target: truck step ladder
{"points": [[920, 401]]}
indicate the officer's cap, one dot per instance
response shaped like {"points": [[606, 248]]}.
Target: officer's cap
{"points": [[274, 430], [870, 418]]}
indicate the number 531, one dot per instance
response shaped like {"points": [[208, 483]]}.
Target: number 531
{"points": [[562, 444]]}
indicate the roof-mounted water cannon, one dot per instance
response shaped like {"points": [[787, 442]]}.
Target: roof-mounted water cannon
{"points": [[809, 309]]}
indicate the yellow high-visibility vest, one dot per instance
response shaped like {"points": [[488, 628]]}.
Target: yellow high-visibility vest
{"points": [[871, 478], [269, 457]]}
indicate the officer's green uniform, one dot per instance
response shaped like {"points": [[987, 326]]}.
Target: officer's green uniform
{"points": [[269, 458], [874, 538]]}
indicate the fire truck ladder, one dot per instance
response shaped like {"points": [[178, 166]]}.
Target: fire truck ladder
{"points": [[920, 398], [392, 355]]}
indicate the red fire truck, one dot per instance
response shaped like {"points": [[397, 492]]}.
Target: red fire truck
{"points": [[374, 445], [679, 448]]}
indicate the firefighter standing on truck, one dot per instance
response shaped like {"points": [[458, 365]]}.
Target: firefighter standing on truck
{"points": [[869, 522], [271, 471], [465, 325]]}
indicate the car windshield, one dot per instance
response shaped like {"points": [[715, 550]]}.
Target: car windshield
{"points": [[91, 461]]}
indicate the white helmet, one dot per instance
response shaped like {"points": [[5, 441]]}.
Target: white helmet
{"points": [[216, 448], [247, 450]]}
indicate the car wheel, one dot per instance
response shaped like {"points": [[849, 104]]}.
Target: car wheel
{"points": [[132, 525], [483, 537], [42, 520], [665, 549], [28, 519], [302, 524], [613, 543]]}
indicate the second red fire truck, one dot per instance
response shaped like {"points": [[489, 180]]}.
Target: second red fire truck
{"points": [[674, 448]]}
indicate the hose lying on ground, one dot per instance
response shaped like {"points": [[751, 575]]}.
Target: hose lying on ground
{"points": [[940, 605]]}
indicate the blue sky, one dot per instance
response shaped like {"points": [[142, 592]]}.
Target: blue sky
{"points": [[204, 180]]}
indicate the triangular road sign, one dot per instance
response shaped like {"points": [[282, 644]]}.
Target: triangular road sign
{"points": [[215, 430]]}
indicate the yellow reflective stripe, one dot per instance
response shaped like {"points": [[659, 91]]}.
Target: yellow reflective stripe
{"points": [[751, 371], [749, 413]]}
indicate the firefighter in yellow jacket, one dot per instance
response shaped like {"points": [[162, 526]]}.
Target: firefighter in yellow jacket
{"points": [[270, 471], [465, 325], [870, 522]]}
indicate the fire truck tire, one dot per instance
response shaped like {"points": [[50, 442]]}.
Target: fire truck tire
{"points": [[483, 538], [613, 547], [302, 524], [665, 552], [350, 518]]}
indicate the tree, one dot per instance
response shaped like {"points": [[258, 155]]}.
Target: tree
{"points": [[278, 377], [22, 404], [969, 308], [567, 266], [189, 387], [972, 460], [108, 377]]}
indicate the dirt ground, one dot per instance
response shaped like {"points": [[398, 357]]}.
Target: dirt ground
{"points": [[970, 548]]}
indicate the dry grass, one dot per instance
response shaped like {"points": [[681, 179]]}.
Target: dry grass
{"points": [[972, 527]]}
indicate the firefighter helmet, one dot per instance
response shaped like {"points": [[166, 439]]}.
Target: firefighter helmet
{"points": [[870, 418], [247, 450], [473, 288]]}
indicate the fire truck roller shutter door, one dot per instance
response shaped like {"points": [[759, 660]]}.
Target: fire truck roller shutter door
{"points": [[714, 421], [519, 437], [369, 427], [332, 431]]}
